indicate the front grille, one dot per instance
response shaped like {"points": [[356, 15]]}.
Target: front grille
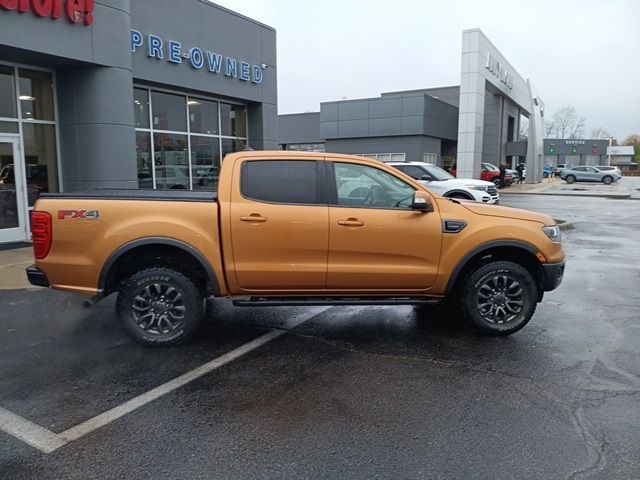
{"points": [[492, 191]]}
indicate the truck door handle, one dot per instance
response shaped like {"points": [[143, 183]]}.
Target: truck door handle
{"points": [[351, 222], [254, 217]]}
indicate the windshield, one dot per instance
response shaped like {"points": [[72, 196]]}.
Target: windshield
{"points": [[437, 173]]}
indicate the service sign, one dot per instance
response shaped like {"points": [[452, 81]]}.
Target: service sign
{"points": [[76, 11], [209, 61]]}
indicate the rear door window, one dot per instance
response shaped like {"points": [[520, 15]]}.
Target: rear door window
{"points": [[282, 181]]}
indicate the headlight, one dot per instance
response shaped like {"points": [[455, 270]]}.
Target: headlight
{"points": [[477, 187], [553, 232]]}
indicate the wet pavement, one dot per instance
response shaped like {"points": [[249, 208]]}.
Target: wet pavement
{"points": [[353, 392]]}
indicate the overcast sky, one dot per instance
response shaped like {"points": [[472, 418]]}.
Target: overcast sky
{"points": [[584, 53]]}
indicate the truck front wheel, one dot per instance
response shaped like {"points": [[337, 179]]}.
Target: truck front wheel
{"points": [[160, 307], [497, 298]]}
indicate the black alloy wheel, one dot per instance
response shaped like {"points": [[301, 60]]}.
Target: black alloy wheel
{"points": [[160, 307], [497, 298], [570, 179], [607, 180]]}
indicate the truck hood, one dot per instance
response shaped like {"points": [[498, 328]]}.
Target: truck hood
{"points": [[507, 212]]}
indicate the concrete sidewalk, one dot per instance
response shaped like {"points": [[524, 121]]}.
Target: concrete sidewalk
{"points": [[12, 265], [627, 188]]}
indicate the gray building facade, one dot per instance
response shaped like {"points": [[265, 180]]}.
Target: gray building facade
{"points": [[565, 151], [412, 125], [130, 94], [465, 124]]}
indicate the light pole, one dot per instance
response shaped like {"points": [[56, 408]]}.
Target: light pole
{"points": [[609, 149]]}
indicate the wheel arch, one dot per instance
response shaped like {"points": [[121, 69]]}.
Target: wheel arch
{"points": [[107, 282], [451, 193], [514, 250]]}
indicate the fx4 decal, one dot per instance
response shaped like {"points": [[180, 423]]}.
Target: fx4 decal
{"points": [[79, 214]]}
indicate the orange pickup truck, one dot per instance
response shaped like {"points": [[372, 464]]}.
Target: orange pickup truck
{"points": [[291, 228]]}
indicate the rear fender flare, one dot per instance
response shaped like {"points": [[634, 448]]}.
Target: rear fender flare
{"points": [[113, 258]]}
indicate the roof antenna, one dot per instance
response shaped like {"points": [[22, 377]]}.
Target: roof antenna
{"points": [[245, 147]]}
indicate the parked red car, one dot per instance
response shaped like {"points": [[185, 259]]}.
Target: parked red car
{"points": [[490, 173]]}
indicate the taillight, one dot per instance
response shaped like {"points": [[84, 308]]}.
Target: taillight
{"points": [[41, 233]]}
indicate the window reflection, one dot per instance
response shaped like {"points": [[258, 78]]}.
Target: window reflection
{"points": [[203, 116], [229, 146], [205, 162], [7, 93], [36, 94], [234, 120], [143, 159], [171, 162], [141, 107], [40, 158], [169, 111]]}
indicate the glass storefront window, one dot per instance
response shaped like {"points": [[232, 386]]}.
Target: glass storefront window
{"points": [[234, 120], [143, 159], [8, 199], [141, 107], [169, 111], [229, 146], [205, 162], [40, 159], [36, 94], [203, 116], [8, 127], [171, 162], [7, 93], [186, 155]]}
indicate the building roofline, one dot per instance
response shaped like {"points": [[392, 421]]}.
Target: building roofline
{"points": [[414, 90], [244, 17]]}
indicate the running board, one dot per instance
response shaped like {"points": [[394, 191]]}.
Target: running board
{"points": [[312, 302]]}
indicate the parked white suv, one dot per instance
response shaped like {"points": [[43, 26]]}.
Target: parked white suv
{"points": [[445, 184]]}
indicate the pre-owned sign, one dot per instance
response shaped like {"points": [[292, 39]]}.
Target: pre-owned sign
{"points": [[76, 11]]}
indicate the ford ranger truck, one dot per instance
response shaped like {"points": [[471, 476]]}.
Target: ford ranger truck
{"points": [[294, 228]]}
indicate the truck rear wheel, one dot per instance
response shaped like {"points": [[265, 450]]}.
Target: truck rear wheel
{"points": [[498, 298], [160, 307]]}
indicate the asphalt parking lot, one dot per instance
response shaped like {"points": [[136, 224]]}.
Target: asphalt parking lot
{"points": [[342, 392]]}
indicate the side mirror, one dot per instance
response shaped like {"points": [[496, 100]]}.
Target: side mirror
{"points": [[425, 177], [421, 202]]}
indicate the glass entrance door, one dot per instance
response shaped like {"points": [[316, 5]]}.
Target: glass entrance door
{"points": [[13, 216]]}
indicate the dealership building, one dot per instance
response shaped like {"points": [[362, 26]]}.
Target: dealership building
{"points": [[467, 124], [128, 94], [154, 94]]}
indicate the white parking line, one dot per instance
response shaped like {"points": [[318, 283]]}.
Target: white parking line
{"points": [[47, 441], [29, 432]]}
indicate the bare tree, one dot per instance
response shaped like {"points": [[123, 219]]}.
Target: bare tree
{"points": [[600, 134], [549, 129], [567, 123]]}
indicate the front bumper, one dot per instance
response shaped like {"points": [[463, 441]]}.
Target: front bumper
{"points": [[37, 277], [552, 274]]}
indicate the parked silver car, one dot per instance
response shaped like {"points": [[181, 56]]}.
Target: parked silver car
{"points": [[584, 173]]}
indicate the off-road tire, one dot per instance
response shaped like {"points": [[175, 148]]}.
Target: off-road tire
{"points": [[570, 179], [607, 180], [477, 283], [139, 295]]}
